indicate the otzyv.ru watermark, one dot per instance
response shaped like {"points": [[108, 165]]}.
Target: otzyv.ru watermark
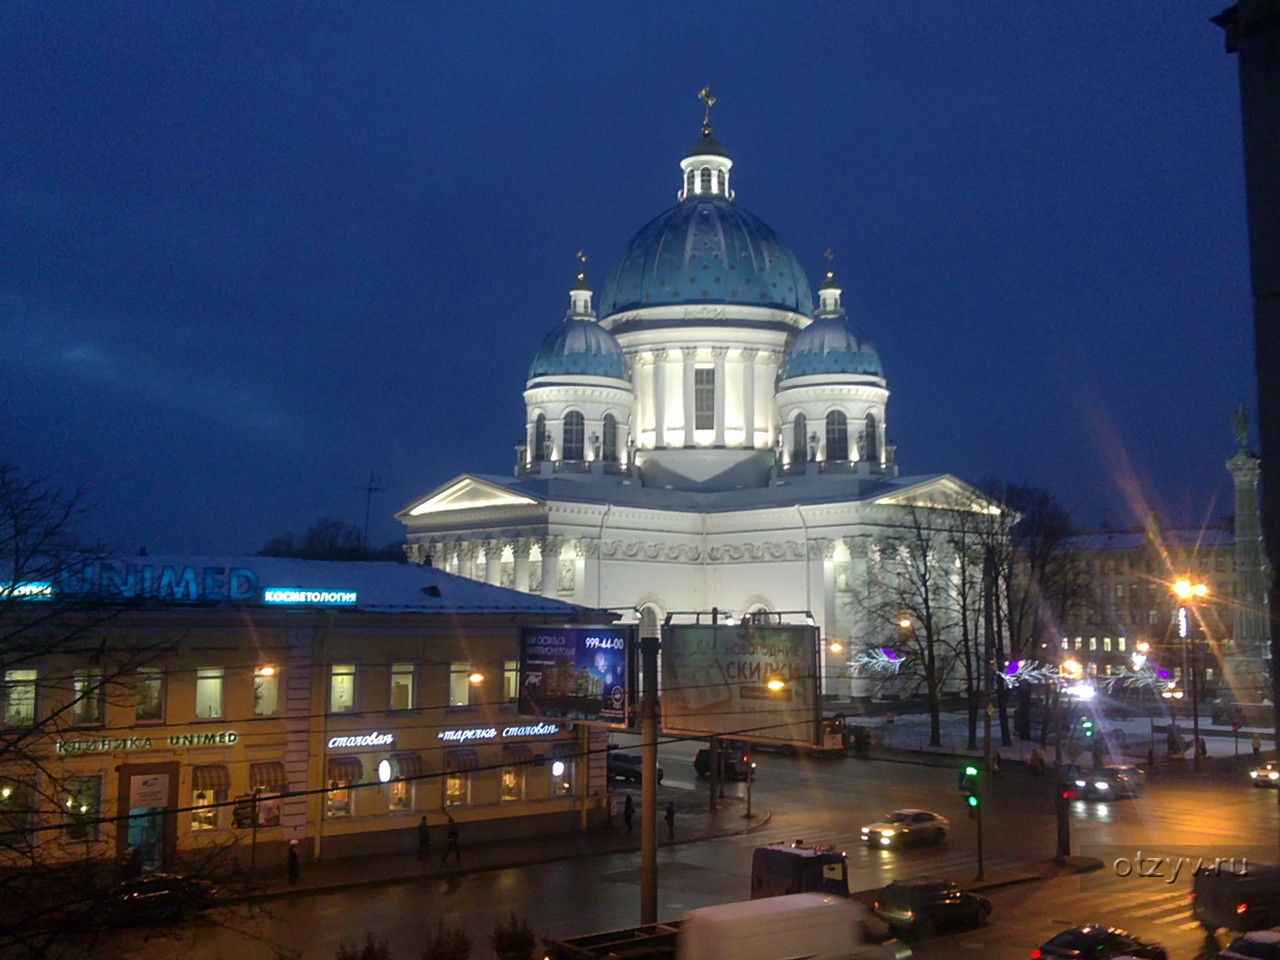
{"points": [[1169, 869]]}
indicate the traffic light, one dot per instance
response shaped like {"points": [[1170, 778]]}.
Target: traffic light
{"points": [[1086, 725], [969, 787]]}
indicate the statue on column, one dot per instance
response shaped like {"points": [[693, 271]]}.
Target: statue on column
{"points": [[1240, 426], [861, 445], [631, 450], [813, 447]]}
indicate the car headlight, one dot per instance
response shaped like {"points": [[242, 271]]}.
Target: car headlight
{"points": [[885, 841], [1253, 773], [1100, 785], [887, 833], [1079, 783], [866, 829]]}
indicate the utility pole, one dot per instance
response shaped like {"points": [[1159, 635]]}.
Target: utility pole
{"points": [[369, 490], [649, 781]]}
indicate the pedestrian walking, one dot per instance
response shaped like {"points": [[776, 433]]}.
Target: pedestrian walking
{"points": [[1036, 762], [670, 817], [1202, 748], [292, 864], [424, 839], [1257, 746], [628, 813], [451, 842], [995, 762], [1151, 760]]}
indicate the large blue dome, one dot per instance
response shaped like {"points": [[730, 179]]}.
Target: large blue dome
{"points": [[706, 250], [582, 347], [829, 346]]}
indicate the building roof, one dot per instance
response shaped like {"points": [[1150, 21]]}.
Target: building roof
{"points": [[829, 346], [1207, 539], [579, 347], [176, 580]]}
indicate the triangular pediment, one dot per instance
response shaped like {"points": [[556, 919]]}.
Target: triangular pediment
{"points": [[941, 493], [467, 493]]}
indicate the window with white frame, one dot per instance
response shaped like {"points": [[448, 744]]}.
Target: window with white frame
{"points": [[20, 697], [209, 692], [88, 694], [402, 685], [148, 695], [837, 436], [510, 680], [342, 687], [799, 440], [459, 683], [704, 398], [266, 690], [610, 439], [574, 436]]}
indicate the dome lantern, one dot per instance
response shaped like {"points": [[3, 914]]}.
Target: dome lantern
{"points": [[580, 295], [829, 294], [705, 168]]}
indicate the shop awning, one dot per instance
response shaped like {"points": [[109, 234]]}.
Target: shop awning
{"points": [[405, 766], [270, 776], [517, 753], [566, 751], [345, 769], [460, 761], [212, 777]]}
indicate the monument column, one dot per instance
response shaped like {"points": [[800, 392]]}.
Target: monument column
{"points": [[1249, 618]]}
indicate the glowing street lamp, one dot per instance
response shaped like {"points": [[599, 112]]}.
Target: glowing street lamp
{"points": [[1188, 592]]}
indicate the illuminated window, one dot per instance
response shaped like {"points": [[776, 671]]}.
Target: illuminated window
{"points": [[871, 436], [1153, 616], [610, 451], [540, 438], [342, 688], [88, 693], [401, 795], [1093, 643], [561, 777], [511, 680], [1120, 644], [1106, 644], [459, 683], [266, 691], [1119, 590], [512, 783], [20, 697], [402, 686], [799, 440], [205, 809], [704, 399], [337, 799], [209, 693], [1066, 644], [148, 702], [17, 811], [574, 434], [81, 798], [837, 436], [704, 180], [457, 789]]}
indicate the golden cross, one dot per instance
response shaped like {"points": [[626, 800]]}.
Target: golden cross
{"points": [[705, 96], [829, 255], [582, 261]]}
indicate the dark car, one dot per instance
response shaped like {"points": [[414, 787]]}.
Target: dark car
{"points": [[1098, 943], [1110, 783], [1258, 945], [734, 765], [921, 904], [627, 766], [150, 899]]}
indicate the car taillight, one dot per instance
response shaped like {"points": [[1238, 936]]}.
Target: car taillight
{"points": [[1241, 907], [876, 905], [1036, 954], [1192, 897]]}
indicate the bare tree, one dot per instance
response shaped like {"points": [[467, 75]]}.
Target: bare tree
{"points": [[325, 539]]}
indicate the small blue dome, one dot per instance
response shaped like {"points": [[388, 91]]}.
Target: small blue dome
{"points": [[706, 250], [829, 345], [579, 347]]}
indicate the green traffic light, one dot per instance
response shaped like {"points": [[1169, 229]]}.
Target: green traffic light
{"points": [[970, 771], [973, 801]]}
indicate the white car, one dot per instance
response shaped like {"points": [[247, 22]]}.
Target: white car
{"points": [[1267, 775], [900, 827]]}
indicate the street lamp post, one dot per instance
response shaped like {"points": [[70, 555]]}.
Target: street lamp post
{"points": [[1188, 592]]}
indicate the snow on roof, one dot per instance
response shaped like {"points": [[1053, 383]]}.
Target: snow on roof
{"points": [[1175, 539]]}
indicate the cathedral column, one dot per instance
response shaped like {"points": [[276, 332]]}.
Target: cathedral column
{"points": [[493, 562], [660, 397], [719, 353], [550, 566], [467, 559], [689, 354], [749, 397], [520, 558]]}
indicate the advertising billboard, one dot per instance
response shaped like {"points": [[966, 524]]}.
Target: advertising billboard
{"points": [[575, 673], [745, 681]]}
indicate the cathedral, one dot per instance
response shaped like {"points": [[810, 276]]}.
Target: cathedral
{"points": [[700, 436]]}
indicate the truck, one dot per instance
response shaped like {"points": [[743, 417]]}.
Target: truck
{"points": [[813, 925], [1237, 894], [784, 868]]}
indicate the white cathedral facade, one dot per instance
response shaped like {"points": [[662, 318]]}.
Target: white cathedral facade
{"points": [[703, 437]]}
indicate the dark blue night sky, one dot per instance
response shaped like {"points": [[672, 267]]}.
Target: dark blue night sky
{"points": [[251, 252]]}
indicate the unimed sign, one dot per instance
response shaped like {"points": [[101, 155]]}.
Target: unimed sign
{"points": [[715, 680]]}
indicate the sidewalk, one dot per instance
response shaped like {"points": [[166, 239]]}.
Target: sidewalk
{"points": [[693, 823]]}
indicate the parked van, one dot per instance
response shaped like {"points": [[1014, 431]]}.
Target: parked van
{"points": [[1237, 895], [784, 868], [801, 925]]}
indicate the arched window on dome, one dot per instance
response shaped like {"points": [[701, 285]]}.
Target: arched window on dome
{"points": [[704, 180], [872, 438], [574, 434], [540, 439], [690, 179], [610, 449], [837, 436], [800, 440]]}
